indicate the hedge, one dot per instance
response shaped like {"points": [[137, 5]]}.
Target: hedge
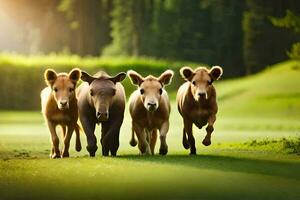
{"points": [[22, 76]]}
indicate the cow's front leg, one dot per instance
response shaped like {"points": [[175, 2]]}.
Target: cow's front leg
{"points": [[143, 145], [188, 127], [209, 129], [163, 150], [110, 137], [89, 129], [67, 138], [55, 153]]}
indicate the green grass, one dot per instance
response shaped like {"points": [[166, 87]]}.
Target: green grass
{"points": [[273, 93], [254, 152], [56, 60]]}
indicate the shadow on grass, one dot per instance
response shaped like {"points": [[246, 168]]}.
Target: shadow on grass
{"points": [[226, 163]]}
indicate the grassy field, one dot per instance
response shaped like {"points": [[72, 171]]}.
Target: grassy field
{"points": [[254, 152]]}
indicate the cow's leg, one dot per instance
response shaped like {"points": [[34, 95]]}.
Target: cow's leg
{"points": [[64, 130], [163, 150], [89, 129], [55, 153], [132, 141], [153, 140], [67, 138], [209, 129], [110, 136], [188, 127], [143, 145], [185, 141], [114, 144]]}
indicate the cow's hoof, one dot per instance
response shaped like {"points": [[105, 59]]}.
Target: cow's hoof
{"points": [[92, 150], [55, 155], [145, 153], [133, 142], [65, 155], [186, 144], [206, 142], [78, 148], [163, 151], [193, 152], [92, 154]]}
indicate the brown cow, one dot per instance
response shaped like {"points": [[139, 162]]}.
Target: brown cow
{"points": [[101, 100], [196, 101], [150, 110], [59, 107]]}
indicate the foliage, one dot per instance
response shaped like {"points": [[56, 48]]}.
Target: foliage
{"points": [[289, 21], [294, 53], [23, 80], [292, 22], [263, 43], [237, 35], [289, 145]]}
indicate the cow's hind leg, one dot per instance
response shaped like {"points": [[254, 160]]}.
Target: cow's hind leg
{"points": [[64, 130], [163, 150], [153, 138], [132, 141], [209, 129], [185, 141]]}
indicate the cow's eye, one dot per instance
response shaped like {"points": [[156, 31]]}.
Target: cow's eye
{"points": [[71, 89], [160, 91], [194, 82], [209, 82], [91, 92], [142, 91], [55, 89]]}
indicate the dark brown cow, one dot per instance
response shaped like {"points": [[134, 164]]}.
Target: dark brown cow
{"points": [[196, 100], [101, 100], [59, 107]]}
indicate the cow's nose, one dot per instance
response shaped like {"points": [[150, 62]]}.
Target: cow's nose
{"points": [[102, 116], [63, 103], [151, 104], [201, 94]]}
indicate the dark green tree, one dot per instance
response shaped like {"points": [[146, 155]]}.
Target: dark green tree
{"points": [[265, 44]]}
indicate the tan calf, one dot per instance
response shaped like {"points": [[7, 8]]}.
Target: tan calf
{"points": [[149, 108], [59, 107], [196, 101]]}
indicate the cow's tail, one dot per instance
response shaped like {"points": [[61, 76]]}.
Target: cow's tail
{"points": [[185, 141], [77, 143]]}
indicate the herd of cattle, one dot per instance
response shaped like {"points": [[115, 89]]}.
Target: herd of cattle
{"points": [[100, 99]]}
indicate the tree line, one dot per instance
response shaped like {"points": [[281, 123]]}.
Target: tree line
{"points": [[239, 35]]}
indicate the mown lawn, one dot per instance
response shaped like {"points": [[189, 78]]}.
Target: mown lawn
{"points": [[254, 152], [229, 169]]}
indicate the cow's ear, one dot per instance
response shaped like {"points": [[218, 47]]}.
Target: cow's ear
{"points": [[86, 77], [118, 78], [50, 76], [135, 77], [166, 77], [215, 72], [75, 75], [187, 73]]}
